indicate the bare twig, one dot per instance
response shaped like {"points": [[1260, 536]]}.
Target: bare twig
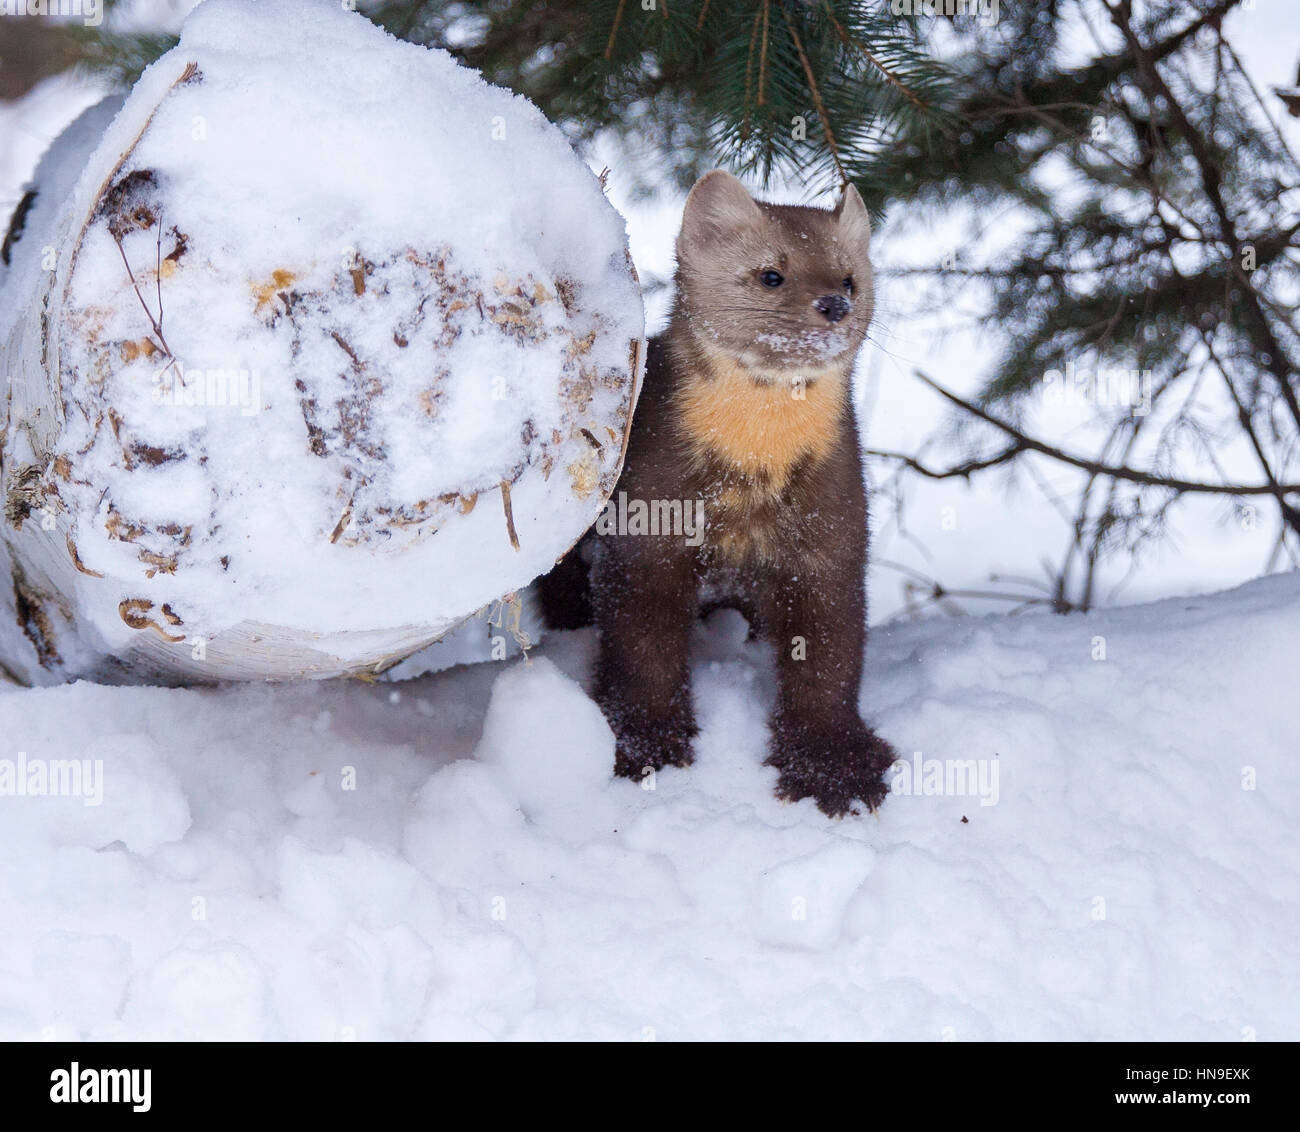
{"points": [[1027, 443], [510, 514], [154, 323]]}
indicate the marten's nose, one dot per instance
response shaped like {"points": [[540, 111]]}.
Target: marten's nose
{"points": [[832, 307]]}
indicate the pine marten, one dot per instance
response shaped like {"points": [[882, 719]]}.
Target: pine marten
{"points": [[746, 407]]}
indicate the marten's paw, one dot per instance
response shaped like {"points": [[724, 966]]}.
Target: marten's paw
{"points": [[837, 769], [639, 751]]}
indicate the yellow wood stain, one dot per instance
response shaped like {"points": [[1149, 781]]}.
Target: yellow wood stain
{"points": [[265, 293], [143, 348]]}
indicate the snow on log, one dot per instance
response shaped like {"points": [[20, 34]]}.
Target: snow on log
{"points": [[316, 343]]}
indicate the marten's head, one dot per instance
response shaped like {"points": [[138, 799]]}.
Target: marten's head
{"points": [[783, 290]]}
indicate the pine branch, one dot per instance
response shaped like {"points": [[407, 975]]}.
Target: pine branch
{"points": [[861, 48], [613, 31], [822, 116]]}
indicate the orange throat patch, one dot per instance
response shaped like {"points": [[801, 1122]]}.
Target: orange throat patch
{"points": [[761, 428]]}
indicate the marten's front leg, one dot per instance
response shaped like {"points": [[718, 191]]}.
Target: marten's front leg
{"points": [[819, 743], [644, 592]]}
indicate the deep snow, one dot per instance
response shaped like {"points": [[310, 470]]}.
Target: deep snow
{"points": [[224, 889], [486, 878]]}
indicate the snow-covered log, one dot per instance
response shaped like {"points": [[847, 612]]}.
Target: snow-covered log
{"points": [[316, 343]]}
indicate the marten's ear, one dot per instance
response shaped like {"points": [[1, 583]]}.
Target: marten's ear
{"points": [[718, 204], [851, 215]]}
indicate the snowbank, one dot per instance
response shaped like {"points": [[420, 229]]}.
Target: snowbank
{"points": [[318, 345], [449, 857]]}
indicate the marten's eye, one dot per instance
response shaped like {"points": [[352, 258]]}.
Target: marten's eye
{"points": [[771, 278], [848, 284]]}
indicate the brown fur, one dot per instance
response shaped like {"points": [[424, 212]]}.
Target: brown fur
{"points": [[746, 406]]}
